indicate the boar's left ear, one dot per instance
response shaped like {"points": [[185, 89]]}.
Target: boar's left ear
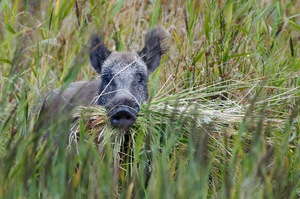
{"points": [[155, 47], [98, 53]]}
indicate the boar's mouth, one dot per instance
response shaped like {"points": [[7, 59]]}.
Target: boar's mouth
{"points": [[123, 114]]}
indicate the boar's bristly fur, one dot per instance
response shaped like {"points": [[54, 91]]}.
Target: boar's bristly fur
{"points": [[123, 80]]}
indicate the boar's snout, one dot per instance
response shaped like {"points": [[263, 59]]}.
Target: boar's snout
{"points": [[122, 118], [123, 114]]}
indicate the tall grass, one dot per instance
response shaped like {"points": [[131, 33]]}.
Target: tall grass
{"points": [[222, 120]]}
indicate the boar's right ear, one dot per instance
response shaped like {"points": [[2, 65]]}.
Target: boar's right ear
{"points": [[156, 45], [98, 53]]}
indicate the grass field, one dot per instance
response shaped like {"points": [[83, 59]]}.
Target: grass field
{"points": [[222, 119]]}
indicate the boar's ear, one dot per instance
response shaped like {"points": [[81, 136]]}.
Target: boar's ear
{"points": [[155, 47], [98, 53]]}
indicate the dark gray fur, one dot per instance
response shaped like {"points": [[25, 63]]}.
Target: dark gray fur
{"points": [[123, 78]]}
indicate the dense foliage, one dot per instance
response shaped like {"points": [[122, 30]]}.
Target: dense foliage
{"points": [[222, 120]]}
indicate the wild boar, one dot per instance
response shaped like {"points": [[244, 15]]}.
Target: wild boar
{"points": [[122, 86]]}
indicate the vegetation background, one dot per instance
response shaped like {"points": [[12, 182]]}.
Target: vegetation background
{"points": [[231, 82]]}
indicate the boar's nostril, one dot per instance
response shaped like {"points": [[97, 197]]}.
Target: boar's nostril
{"points": [[122, 119]]}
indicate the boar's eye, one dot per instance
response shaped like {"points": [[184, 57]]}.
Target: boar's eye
{"points": [[141, 78], [106, 79]]}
